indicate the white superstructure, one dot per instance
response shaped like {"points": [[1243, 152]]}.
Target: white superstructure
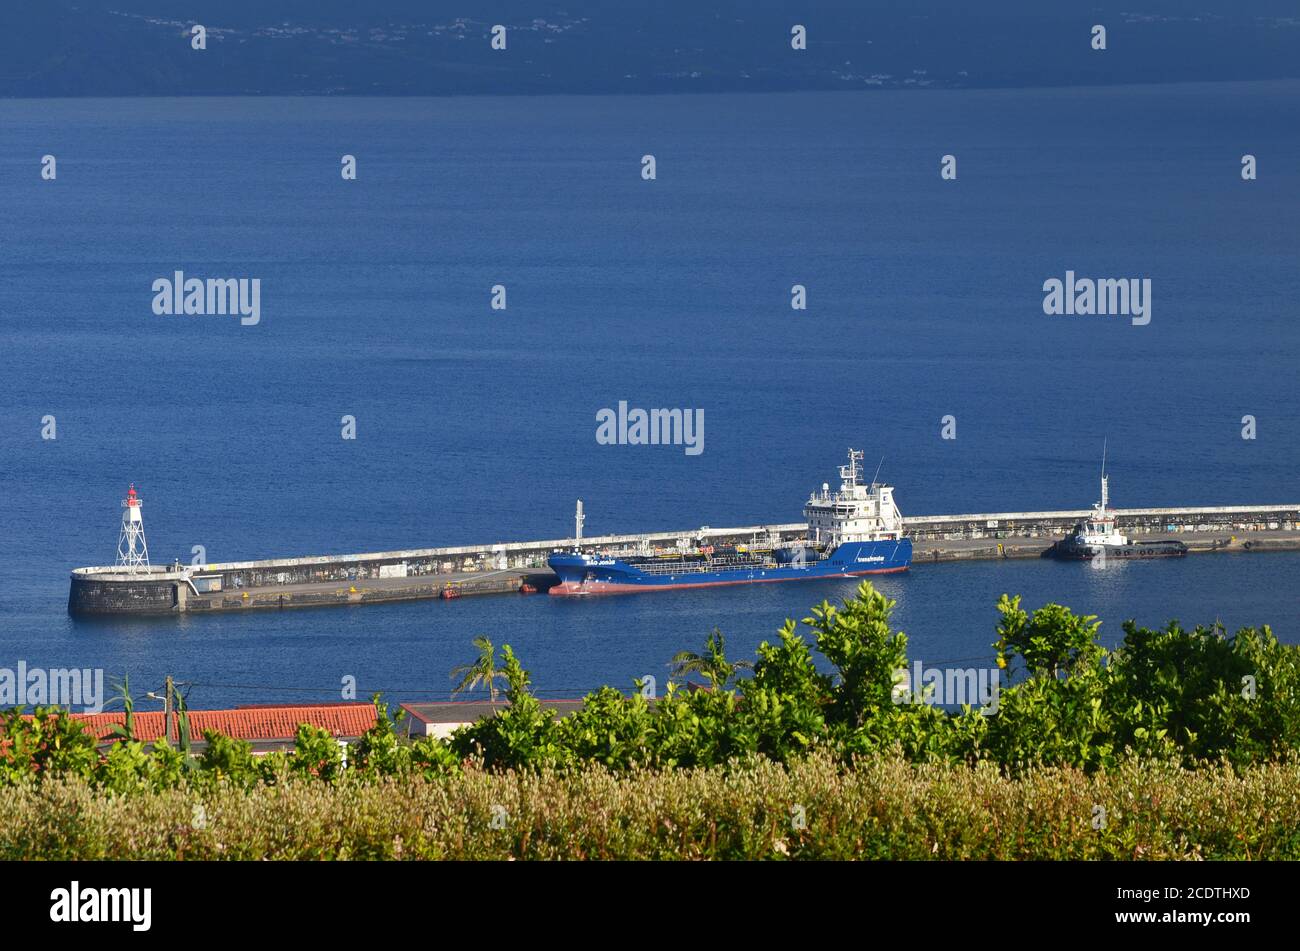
{"points": [[1099, 529], [856, 513]]}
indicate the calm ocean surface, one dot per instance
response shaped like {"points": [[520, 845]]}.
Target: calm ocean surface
{"points": [[478, 426]]}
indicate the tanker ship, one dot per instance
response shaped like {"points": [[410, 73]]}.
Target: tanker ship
{"points": [[857, 530]]}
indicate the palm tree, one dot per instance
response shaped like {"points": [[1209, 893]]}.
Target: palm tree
{"points": [[483, 672], [712, 664]]}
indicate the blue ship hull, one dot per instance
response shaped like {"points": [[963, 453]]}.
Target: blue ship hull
{"points": [[596, 574]]}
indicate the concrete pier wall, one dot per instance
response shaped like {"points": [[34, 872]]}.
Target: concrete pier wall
{"points": [[110, 591], [508, 566], [521, 555], [1239, 518]]}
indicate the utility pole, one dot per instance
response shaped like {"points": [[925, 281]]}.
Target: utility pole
{"points": [[167, 709]]}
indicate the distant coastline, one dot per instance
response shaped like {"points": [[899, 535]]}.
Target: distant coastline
{"points": [[62, 49]]}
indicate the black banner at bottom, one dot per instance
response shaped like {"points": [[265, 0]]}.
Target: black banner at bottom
{"points": [[147, 900]]}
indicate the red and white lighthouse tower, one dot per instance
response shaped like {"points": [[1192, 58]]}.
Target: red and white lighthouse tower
{"points": [[132, 550]]}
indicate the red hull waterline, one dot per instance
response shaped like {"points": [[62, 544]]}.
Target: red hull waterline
{"points": [[576, 589]]}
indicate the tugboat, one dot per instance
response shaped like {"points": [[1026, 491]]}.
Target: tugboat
{"points": [[1098, 536], [855, 531]]}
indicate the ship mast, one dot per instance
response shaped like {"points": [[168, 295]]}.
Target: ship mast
{"points": [[1105, 485], [1105, 482], [849, 473]]}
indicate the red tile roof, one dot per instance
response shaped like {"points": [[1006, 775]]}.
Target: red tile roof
{"points": [[263, 722]]}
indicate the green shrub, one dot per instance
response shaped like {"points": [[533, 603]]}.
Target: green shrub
{"points": [[47, 743], [1169, 696], [521, 734], [1206, 693], [228, 760]]}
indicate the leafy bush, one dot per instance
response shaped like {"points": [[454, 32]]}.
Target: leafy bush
{"points": [[1063, 700], [1169, 696], [44, 744], [1206, 694], [521, 733]]}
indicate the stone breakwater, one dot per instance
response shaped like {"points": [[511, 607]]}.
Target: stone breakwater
{"points": [[520, 567]]}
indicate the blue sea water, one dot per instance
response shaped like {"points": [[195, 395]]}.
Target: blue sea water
{"points": [[474, 425]]}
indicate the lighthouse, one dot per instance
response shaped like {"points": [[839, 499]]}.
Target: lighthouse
{"points": [[132, 551]]}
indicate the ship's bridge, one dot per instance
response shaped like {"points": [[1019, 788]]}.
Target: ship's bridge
{"points": [[856, 513], [1101, 528]]}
